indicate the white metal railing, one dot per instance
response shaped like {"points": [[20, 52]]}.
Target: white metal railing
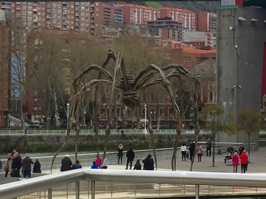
{"points": [[194, 180]]}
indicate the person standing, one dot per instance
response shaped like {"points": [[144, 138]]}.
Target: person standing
{"points": [[130, 157], [183, 150], [120, 150], [244, 161], [241, 149], [191, 150], [36, 167], [26, 166], [66, 163], [16, 165], [8, 166], [148, 163], [235, 161], [199, 153], [209, 147]]}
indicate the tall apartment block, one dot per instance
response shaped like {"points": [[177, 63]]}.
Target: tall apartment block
{"points": [[186, 17], [206, 21], [5, 69], [139, 15]]}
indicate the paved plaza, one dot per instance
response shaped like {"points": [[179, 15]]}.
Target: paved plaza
{"points": [[257, 164]]}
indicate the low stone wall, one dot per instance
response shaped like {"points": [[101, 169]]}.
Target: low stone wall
{"points": [[50, 143]]}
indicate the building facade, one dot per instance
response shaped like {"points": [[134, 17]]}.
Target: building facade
{"points": [[186, 17], [139, 15], [5, 70], [206, 21], [241, 62], [166, 29]]}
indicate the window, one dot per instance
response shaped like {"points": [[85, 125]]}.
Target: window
{"points": [[171, 114], [161, 113]]}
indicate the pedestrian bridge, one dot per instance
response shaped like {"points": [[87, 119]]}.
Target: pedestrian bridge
{"points": [[88, 183]]}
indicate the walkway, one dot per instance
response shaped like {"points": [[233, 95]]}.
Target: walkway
{"points": [[108, 190]]}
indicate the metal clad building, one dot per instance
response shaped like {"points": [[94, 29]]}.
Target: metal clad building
{"points": [[241, 59]]}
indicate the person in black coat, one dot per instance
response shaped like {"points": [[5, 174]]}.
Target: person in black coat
{"points": [[130, 157], [66, 164], [36, 167], [148, 163], [16, 165], [191, 150], [137, 165]]}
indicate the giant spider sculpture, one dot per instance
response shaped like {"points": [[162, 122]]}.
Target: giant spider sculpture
{"points": [[130, 88]]}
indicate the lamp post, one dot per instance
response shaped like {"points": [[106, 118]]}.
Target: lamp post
{"points": [[145, 118]]}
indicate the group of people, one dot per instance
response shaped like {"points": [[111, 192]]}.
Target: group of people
{"points": [[238, 157], [15, 164], [100, 163], [66, 164], [148, 162], [189, 153]]}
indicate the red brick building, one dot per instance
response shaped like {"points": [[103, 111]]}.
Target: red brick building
{"points": [[136, 14], [5, 69], [186, 17], [206, 21]]}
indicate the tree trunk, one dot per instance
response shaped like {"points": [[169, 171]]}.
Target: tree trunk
{"points": [[249, 144], [213, 151], [22, 119], [57, 122]]}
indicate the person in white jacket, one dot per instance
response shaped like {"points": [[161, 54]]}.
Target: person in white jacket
{"points": [[104, 164], [183, 150]]}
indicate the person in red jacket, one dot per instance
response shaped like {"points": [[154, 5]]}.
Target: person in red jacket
{"points": [[244, 161], [235, 161]]}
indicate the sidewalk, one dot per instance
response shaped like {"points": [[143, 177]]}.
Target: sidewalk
{"points": [[257, 165]]}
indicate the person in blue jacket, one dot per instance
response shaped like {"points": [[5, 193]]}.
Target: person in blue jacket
{"points": [[94, 165]]}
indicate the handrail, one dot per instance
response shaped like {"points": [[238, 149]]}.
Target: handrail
{"points": [[20, 188], [27, 186]]}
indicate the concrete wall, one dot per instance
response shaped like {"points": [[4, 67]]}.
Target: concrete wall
{"points": [[240, 61]]}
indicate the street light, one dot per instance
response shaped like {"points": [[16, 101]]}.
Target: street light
{"points": [[145, 118]]}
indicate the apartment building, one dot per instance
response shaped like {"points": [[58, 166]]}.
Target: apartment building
{"points": [[5, 70], [186, 17], [206, 21], [166, 28], [139, 15]]}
